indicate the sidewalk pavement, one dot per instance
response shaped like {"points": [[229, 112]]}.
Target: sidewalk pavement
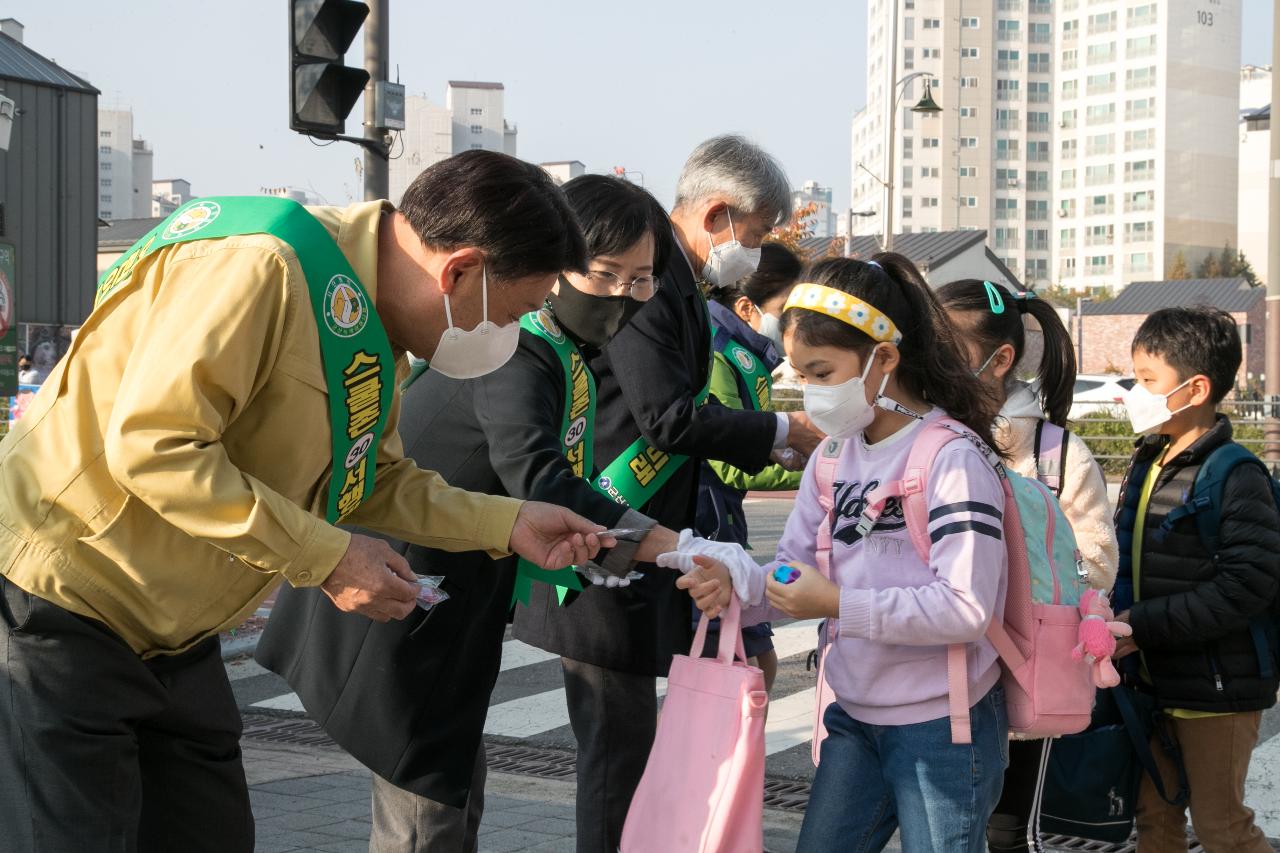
{"points": [[316, 800]]}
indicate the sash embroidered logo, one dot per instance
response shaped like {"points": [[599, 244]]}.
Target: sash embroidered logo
{"points": [[345, 310], [191, 220], [851, 500]]}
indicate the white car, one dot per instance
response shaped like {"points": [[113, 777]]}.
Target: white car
{"points": [[1096, 393]]}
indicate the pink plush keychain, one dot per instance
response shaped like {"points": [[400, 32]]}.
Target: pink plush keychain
{"points": [[1098, 637]]}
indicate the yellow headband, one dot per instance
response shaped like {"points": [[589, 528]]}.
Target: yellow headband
{"points": [[846, 308]]}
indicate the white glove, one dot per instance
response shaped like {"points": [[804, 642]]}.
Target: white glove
{"points": [[748, 577], [609, 581]]}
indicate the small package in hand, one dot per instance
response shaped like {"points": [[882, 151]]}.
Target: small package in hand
{"points": [[429, 592]]}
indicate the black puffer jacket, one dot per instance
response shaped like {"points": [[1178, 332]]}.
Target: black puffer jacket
{"points": [[1191, 620]]}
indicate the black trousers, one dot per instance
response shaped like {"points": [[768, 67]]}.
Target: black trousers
{"points": [[102, 752], [1007, 830], [614, 717]]}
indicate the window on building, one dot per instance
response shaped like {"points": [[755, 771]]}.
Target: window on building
{"points": [[969, 53], [1008, 120], [931, 53], [105, 182], [1038, 122], [907, 177], [1037, 270], [1041, 33], [1008, 60], [1140, 78], [929, 201], [1101, 84], [1006, 208], [1100, 264], [1067, 208], [908, 147], [1038, 180], [1008, 30], [968, 142], [1008, 149], [1139, 47], [1006, 238], [1037, 210], [1007, 90], [1067, 179], [477, 128], [1070, 59], [968, 82], [1100, 204], [1140, 170], [928, 171], [968, 112], [933, 23], [908, 58], [1141, 16], [1068, 149], [969, 23], [106, 199], [968, 171], [969, 201], [1139, 232], [104, 134], [1039, 63], [1140, 140], [1070, 30], [104, 167], [908, 28], [1006, 178], [1102, 22], [1141, 200], [104, 149], [1099, 235], [1101, 143], [1139, 108], [906, 207], [929, 142], [477, 111], [476, 145], [1070, 88], [1067, 238], [1100, 114], [1102, 53]]}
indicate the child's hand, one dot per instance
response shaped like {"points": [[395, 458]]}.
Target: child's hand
{"points": [[810, 596], [1125, 646], [709, 585]]}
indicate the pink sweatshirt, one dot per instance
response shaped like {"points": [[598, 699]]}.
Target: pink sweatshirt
{"points": [[897, 613]]}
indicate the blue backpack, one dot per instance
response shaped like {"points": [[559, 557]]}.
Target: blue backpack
{"points": [[1205, 505]]}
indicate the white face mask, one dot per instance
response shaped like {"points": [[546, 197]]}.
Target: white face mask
{"points": [[466, 354], [729, 262], [1149, 411], [842, 411], [771, 328]]}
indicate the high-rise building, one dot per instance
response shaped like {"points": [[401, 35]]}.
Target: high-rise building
{"points": [[169, 194], [824, 219], [564, 171], [1254, 223], [1255, 87], [124, 168], [1088, 137], [472, 117]]}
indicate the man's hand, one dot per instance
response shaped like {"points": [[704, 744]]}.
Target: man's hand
{"points": [[373, 580], [810, 596], [803, 437], [1125, 646], [553, 537], [709, 585]]}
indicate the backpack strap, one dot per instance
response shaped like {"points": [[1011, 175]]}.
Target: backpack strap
{"points": [[1205, 505], [1050, 450], [824, 472]]}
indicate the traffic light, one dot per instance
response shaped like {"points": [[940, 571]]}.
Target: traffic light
{"points": [[322, 89]]}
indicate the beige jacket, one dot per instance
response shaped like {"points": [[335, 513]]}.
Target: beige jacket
{"points": [[174, 467], [1084, 490]]}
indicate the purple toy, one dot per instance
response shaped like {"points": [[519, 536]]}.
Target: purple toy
{"points": [[786, 574]]}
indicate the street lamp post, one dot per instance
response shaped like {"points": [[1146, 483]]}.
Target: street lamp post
{"points": [[925, 105]]}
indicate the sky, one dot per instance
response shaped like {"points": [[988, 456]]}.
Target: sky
{"points": [[608, 83]]}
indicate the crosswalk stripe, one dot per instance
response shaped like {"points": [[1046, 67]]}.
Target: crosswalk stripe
{"points": [[516, 654], [285, 702]]}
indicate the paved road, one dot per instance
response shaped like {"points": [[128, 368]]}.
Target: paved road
{"points": [[528, 703]]}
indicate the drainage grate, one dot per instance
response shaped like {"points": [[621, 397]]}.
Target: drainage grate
{"points": [[530, 761], [263, 727], [786, 794]]}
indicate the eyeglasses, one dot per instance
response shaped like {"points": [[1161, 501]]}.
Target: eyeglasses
{"points": [[641, 288]]}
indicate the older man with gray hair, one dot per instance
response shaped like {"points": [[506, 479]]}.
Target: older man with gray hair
{"points": [[655, 421]]}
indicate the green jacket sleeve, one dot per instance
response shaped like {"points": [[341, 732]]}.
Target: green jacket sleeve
{"points": [[774, 478]]}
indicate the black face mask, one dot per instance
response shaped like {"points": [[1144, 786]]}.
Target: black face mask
{"points": [[592, 320]]}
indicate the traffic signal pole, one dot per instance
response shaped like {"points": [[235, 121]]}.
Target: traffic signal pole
{"points": [[376, 48]]}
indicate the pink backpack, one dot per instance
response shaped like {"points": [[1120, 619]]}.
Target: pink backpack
{"points": [[1047, 693], [703, 787]]}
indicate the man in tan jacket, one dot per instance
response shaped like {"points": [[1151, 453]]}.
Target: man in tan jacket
{"points": [[176, 467]]}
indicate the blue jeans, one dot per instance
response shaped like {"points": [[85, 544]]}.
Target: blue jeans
{"points": [[872, 780]]}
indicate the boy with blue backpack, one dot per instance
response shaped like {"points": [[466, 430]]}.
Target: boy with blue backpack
{"points": [[1199, 573]]}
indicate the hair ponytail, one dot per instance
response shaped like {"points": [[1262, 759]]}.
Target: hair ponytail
{"points": [[933, 366], [1057, 369]]}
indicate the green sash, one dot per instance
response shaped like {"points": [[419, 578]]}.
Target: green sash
{"points": [[753, 373], [358, 367]]}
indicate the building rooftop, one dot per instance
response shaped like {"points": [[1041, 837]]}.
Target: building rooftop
{"points": [[471, 84], [1142, 297], [931, 249], [122, 233], [19, 62], [562, 163]]}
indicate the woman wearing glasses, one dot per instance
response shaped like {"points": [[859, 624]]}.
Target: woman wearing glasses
{"points": [[409, 698]]}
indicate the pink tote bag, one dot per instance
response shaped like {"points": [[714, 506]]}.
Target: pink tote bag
{"points": [[703, 788]]}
